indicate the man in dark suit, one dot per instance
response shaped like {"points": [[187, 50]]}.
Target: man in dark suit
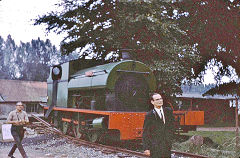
{"points": [[158, 129]]}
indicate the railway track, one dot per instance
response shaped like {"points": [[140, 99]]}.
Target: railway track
{"points": [[120, 152]]}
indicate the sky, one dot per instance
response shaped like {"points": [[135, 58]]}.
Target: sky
{"points": [[16, 19]]}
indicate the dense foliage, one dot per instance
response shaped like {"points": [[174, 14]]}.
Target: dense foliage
{"points": [[146, 28], [178, 39], [213, 27]]}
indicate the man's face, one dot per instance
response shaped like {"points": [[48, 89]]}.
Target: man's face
{"points": [[22, 107], [19, 107], [157, 101]]}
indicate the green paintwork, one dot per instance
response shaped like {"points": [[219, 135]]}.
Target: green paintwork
{"points": [[108, 79], [105, 76], [62, 93]]}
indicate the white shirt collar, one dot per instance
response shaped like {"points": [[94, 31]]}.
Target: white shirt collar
{"points": [[158, 110], [18, 111], [160, 114]]}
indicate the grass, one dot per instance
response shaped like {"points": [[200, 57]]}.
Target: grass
{"points": [[223, 146], [220, 124], [219, 137]]}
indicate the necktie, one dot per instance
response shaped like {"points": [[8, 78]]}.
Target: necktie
{"points": [[162, 116]]}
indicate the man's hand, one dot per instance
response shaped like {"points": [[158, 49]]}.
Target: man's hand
{"points": [[16, 123], [25, 122], [147, 152]]}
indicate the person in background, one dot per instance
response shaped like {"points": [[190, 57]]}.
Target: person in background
{"points": [[158, 129], [18, 118]]}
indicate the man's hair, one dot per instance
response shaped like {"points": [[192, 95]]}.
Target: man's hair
{"points": [[19, 103], [152, 94]]}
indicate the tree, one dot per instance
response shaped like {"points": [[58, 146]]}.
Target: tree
{"points": [[9, 57], [28, 61], [213, 26], [144, 27], [2, 68], [34, 59]]}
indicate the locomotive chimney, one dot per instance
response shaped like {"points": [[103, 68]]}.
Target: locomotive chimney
{"points": [[93, 104], [125, 54]]}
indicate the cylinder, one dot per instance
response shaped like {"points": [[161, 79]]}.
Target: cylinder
{"points": [[98, 122]]}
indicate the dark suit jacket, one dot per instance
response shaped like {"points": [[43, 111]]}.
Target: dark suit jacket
{"points": [[157, 136]]}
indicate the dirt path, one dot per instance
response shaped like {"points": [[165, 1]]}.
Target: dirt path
{"points": [[31, 153], [30, 145]]}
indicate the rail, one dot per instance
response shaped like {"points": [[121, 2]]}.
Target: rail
{"points": [[105, 148]]}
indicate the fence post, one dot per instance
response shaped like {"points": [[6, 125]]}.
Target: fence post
{"points": [[237, 130]]}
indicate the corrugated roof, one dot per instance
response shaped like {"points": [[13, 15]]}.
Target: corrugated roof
{"points": [[18, 90], [1, 99], [200, 96], [197, 91]]}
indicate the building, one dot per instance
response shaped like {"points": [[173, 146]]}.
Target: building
{"points": [[217, 108], [30, 93]]}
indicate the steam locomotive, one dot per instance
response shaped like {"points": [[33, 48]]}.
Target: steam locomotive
{"points": [[93, 101]]}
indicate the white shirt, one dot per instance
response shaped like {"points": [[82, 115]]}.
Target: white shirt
{"points": [[160, 113], [17, 116]]}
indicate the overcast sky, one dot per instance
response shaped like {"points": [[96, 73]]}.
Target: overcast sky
{"points": [[16, 19]]}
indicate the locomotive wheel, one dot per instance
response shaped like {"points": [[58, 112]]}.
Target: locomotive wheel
{"points": [[77, 132], [65, 127], [93, 136]]}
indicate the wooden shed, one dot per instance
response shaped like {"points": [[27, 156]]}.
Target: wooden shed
{"points": [[31, 93], [217, 108]]}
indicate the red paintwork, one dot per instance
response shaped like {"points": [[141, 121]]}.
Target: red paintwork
{"points": [[190, 117], [130, 124]]}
